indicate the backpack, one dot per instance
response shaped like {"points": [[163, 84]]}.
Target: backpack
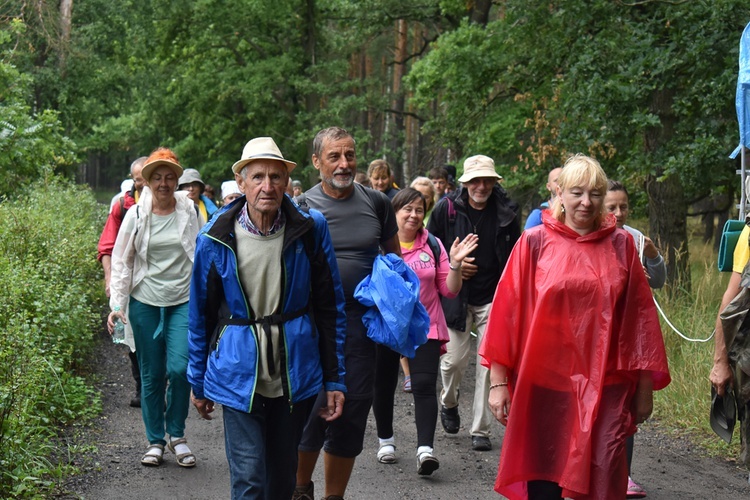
{"points": [[434, 247]]}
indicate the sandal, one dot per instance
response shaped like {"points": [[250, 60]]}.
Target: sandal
{"points": [[154, 455], [387, 454], [407, 383], [186, 459], [635, 490]]}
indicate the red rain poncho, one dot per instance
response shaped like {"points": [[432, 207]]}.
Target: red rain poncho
{"points": [[574, 322]]}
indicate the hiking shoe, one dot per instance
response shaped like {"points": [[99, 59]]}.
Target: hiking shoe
{"points": [[306, 493], [427, 464], [450, 419], [635, 490], [480, 443], [135, 402]]}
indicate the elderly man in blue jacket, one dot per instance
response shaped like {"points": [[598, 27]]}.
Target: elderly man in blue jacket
{"points": [[267, 324]]}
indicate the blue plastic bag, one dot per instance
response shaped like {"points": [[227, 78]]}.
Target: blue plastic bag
{"points": [[396, 318]]}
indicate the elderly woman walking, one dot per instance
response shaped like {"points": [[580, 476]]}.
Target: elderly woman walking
{"points": [[574, 347], [151, 269]]}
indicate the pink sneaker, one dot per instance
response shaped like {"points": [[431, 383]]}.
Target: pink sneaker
{"points": [[635, 490]]}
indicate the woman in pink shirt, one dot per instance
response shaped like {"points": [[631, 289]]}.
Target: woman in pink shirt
{"points": [[436, 280]]}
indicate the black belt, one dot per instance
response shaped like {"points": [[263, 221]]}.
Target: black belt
{"points": [[266, 322]]}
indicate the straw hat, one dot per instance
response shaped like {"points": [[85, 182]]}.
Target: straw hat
{"points": [[261, 148], [149, 168]]}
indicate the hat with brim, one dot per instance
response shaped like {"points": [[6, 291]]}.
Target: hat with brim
{"points": [[149, 168], [478, 166], [723, 413], [261, 148], [189, 176]]}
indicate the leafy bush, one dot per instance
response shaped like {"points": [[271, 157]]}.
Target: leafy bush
{"points": [[50, 303], [31, 142]]}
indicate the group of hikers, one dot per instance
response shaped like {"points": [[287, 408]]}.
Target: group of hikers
{"points": [[253, 306]]}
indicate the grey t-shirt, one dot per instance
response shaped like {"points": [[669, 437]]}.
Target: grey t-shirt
{"points": [[356, 229]]}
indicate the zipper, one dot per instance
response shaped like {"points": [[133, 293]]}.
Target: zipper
{"points": [[285, 381], [247, 309]]}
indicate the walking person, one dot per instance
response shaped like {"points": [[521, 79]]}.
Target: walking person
{"points": [[617, 203], [361, 222], [107, 243], [190, 181], [439, 275], [535, 217], [151, 267], [267, 324], [575, 349], [483, 208]]}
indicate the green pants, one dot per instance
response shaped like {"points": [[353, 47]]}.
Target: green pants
{"points": [[161, 343]]}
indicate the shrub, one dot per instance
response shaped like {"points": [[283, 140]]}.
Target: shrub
{"points": [[50, 303]]}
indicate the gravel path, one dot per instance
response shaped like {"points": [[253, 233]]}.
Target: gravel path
{"points": [[668, 467]]}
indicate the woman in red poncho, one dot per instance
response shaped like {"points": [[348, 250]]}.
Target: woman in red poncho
{"points": [[574, 348]]}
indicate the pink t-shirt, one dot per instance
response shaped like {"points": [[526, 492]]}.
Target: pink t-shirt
{"points": [[431, 282]]}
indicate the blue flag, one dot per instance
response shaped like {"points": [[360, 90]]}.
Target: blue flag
{"points": [[742, 100]]}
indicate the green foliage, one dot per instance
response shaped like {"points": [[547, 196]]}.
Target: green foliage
{"points": [[32, 144], [50, 300], [683, 406]]}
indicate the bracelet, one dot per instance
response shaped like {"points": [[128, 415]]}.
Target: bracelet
{"points": [[452, 268], [501, 384]]}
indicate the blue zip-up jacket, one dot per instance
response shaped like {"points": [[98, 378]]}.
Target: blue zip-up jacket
{"points": [[223, 357]]}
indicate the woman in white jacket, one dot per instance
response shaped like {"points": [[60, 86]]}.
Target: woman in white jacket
{"points": [[150, 286]]}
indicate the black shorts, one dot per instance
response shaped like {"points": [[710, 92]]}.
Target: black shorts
{"points": [[344, 437]]}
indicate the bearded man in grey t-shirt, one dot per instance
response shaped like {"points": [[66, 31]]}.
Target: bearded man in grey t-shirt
{"points": [[362, 223]]}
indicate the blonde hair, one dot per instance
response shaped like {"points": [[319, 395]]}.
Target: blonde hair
{"points": [[581, 171], [377, 166], [425, 182]]}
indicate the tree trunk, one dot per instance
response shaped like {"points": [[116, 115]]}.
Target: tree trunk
{"points": [[66, 15], [480, 12], [667, 206], [668, 228], [397, 105]]}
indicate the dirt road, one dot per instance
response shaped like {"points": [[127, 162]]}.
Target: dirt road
{"points": [[666, 466]]}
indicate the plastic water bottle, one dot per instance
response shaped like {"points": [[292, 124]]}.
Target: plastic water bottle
{"points": [[118, 335]]}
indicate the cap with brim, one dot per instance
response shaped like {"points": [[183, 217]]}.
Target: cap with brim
{"points": [[149, 168], [723, 413], [261, 148], [189, 176], [478, 166]]}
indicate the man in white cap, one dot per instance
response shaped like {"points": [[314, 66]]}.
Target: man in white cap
{"points": [[266, 324], [482, 207]]}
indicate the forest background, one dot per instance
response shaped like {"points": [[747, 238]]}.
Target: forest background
{"points": [[86, 86], [645, 86]]}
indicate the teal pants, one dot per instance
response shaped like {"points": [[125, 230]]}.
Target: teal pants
{"points": [[161, 343]]}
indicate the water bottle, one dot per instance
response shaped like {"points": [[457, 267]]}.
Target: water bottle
{"points": [[118, 335]]}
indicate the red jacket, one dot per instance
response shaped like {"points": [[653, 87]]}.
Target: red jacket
{"points": [[112, 226]]}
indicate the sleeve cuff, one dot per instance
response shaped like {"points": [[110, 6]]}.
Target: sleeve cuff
{"points": [[335, 386]]}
